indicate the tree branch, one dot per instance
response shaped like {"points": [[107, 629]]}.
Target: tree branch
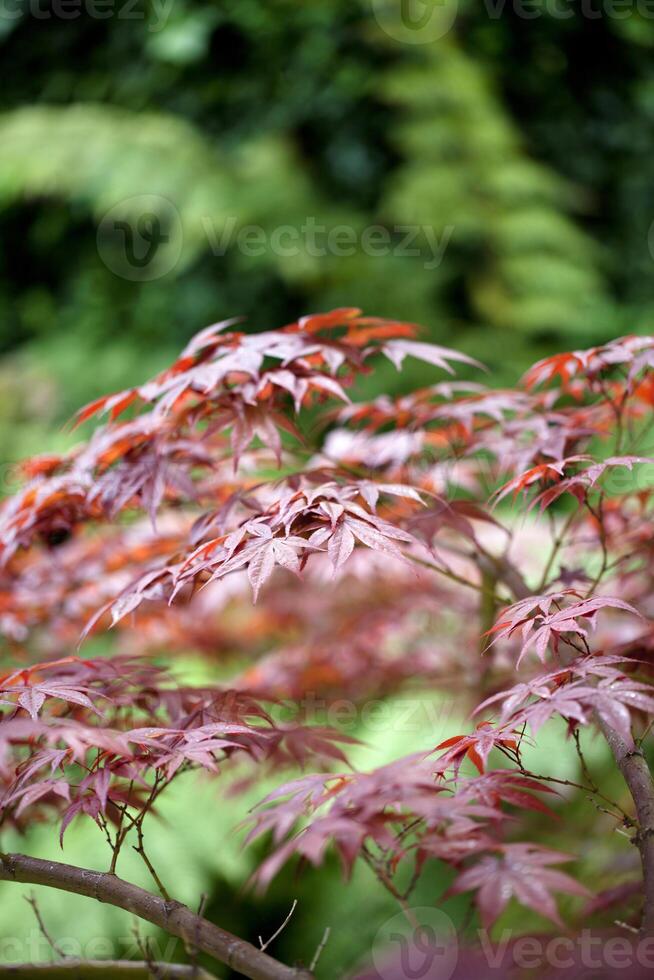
{"points": [[173, 917], [633, 766], [631, 763], [104, 970], [31, 900]]}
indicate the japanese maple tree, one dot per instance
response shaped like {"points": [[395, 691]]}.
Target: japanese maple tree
{"points": [[241, 503]]}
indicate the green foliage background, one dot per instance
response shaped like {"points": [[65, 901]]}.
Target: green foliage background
{"points": [[523, 144]]}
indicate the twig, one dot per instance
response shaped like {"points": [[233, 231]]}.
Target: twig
{"points": [[139, 848], [413, 881], [143, 946], [120, 837], [176, 919], [74, 969], [625, 925], [321, 946], [640, 741], [386, 881], [582, 760], [620, 815], [599, 517], [556, 547], [31, 900], [633, 766], [448, 573], [265, 945]]}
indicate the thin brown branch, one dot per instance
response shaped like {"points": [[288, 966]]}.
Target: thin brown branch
{"points": [[143, 946], [506, 572], [599, 517], [321, 946], [267, 943], [487, 608], [31, 900], [633, 766], [559, 540], [115, 847], [617, 813], [140, 849], [446, 572], [382, 875], [173, 917], [103, 970]]}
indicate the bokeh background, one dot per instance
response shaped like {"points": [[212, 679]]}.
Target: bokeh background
{"points": [[485, 168]]}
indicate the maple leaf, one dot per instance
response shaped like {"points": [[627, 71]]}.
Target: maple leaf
{"points": [[581, 483], [624, 350], [586, 685], [618, 895], [192, 449], [521, 871], [563, 366], [28, 689], [378, 451], [507, 786], [611, 698], [327, 514], [477, 746], [449, 818], [397, 350], [544, 471], [538, 626]]}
